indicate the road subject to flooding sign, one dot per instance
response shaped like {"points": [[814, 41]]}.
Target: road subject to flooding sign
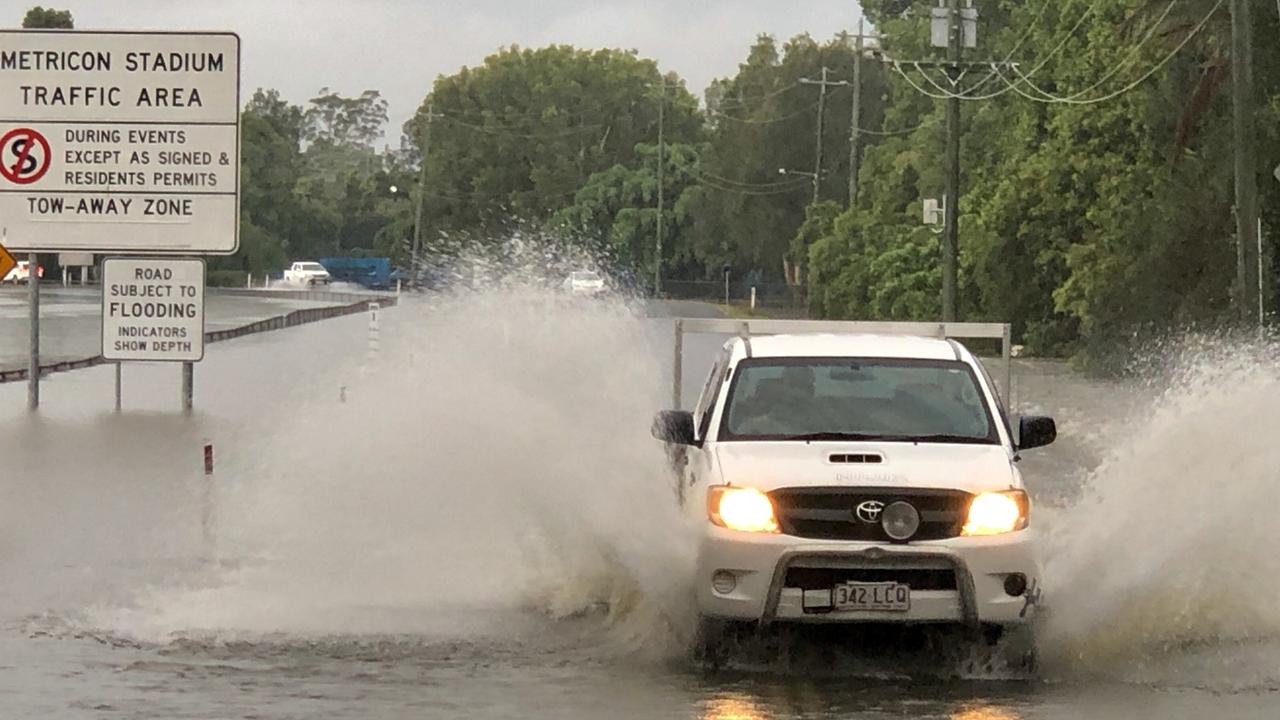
{"points": [[153, 309]]}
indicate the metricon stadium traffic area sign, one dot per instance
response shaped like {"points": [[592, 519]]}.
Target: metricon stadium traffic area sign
{"points": [[120, 142]]}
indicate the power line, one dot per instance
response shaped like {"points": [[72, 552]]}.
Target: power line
{"points": [[742, 103], [752, 185], [511, 132], [1044, 96], [1070, 100], [767, 121], [754, 193], [903, 131], [1127, 62]]}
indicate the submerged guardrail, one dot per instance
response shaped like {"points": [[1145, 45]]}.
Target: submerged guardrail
{"points": [[357, 303]]}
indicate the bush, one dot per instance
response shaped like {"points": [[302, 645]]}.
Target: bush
{"points": [[225, 278]]}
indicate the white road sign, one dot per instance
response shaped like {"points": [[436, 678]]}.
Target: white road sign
{"points": [[153, 309], [120, 142]]}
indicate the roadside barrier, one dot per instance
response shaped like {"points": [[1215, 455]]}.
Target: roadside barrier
{"points": [[357, 304]]}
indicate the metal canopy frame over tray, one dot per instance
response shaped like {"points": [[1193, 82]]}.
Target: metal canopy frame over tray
{"points": [[749, 327]]}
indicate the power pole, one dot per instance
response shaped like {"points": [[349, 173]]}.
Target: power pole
{"points": [[822, 106], [422, 190], [950, 226], [657, 258], [1248, 291], [855, 117]]}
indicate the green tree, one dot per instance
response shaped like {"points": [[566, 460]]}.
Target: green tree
{"points": [[763, 120], [48, 19], [520, 135], [616, 214]]}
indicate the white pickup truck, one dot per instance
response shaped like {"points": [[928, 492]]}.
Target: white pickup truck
{"points": [[21, 273], [307, 273], [856, 479]]}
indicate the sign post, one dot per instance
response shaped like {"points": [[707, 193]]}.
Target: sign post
{"points": [[33, 355], [121, 143]]}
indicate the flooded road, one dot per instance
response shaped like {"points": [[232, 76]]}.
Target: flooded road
{"points": [[475, 523]]}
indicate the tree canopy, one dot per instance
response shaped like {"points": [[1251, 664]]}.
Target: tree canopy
{"points": [[1097, 183], [42, 18]]}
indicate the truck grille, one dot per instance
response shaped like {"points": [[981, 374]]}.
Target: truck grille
{"points": [[829, 513], [813, 578]]}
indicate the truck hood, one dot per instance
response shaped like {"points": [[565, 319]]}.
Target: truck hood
{"points": [[771, 465]]}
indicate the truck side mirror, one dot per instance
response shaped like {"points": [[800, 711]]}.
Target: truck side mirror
{"points": [[1036, 431], [674, 426]]}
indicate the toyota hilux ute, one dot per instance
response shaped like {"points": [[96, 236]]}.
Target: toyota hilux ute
{"points": [[857, 479]]}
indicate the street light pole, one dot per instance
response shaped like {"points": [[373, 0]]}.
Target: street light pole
{"points": [[822, 106], [421, 199], [657, 258]]}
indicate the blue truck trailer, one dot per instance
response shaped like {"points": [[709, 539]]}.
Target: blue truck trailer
{"points": [[372, 273]]}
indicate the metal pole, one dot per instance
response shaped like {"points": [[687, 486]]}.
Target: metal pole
{"points": [[118, 384], [817, 163], [422, 189], [207, 510], [855, 119], [677, 370], [1006, 354], [188, 386], [657, 257], [1261, 290], [1244, 139], [33, 301], [950, 232]]}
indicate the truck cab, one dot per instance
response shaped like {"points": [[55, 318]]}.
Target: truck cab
{"points": [[307, 273]]}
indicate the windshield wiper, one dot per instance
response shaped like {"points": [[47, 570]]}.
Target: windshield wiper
{"points": [[932, 438], [833, 436], [936, 438]]}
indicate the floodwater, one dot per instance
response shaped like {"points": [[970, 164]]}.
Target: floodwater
{"points": [[473, 522]]}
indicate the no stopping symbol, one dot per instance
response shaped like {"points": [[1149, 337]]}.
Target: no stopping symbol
{"points": [[24, 156]]}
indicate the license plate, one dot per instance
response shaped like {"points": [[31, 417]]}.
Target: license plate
{"points": [[891, 596]]}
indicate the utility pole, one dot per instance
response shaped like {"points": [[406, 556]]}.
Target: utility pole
{"points": [[855, 116], [950, 227], [1248, 291], [822, 106], [422, 190], [657, 257]]}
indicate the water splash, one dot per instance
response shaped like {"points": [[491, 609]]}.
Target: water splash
{"points": [[1165, 571], [495, 461]]}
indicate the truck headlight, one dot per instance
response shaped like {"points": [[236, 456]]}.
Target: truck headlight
{"points": [[741, 508], [995, 513]]}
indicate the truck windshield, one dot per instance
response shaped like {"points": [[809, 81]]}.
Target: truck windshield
{"points": [[857, 399]]}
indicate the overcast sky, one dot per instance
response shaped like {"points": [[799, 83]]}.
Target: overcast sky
{"points": [[399, 46]]}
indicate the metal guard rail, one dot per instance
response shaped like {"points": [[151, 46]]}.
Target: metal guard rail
{"points": [[279, 322]]}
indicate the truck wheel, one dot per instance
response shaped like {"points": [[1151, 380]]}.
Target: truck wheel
{"points": [[709, 641], [715, 639], [1013, 646]]}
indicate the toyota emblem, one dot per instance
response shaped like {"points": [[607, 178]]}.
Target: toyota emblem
{"points": [[868, 511]]}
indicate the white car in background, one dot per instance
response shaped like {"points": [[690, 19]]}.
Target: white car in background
{"points": [[308, 274], [857, 479], [21, 273], [585, 283]]}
